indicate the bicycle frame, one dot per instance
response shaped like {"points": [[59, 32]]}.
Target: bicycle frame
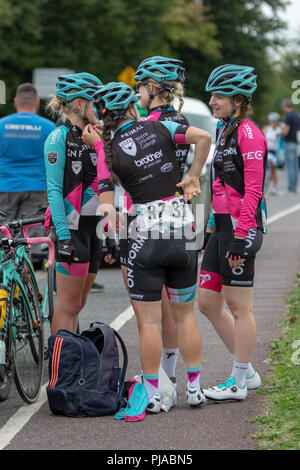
{"points": [[10, 274], [20, 254]]}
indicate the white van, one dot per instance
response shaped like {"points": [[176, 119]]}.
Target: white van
{"points": [[199, 115]]}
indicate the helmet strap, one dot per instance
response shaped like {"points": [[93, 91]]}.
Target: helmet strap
{"points": [[79, 114], [152, 95]]}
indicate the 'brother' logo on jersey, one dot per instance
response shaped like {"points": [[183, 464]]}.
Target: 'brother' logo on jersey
{"points": [[128, 146]]}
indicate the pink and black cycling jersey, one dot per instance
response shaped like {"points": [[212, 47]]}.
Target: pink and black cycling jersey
{"points": [[164, 113], [168, 113], [237, 177], [147, 172]]}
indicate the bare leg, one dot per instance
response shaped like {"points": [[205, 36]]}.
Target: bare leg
{"points": [[68, 301], [189, 339], [240, 300], [211, 304], [148, 316], [169, 326]]}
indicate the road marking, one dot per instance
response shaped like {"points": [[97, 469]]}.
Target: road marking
{"points": [[25, 412], [281, 214], [21, 417], [123, 318], [17, 421]]}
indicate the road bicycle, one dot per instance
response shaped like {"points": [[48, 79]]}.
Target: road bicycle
{"points": [[23, 310]]}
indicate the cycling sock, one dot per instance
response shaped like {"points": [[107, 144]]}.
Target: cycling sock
{"points": [[151, 384], [169, 361], [193, 374], [250, 370], [239, 372]]}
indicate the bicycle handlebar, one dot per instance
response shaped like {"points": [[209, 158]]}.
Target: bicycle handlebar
{"points": [[24, 223], [51, 246], [33, 241]]}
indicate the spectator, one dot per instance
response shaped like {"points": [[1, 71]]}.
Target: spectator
{"points": [[292, 125], [271, 131], [23, 174]]}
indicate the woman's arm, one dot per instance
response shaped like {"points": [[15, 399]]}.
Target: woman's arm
{"points": [[55, 160], [202, 141]]}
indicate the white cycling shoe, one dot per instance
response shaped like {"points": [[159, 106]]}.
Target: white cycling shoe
{"points": [[154, 404], [254, 382], [194, 396], [226, 391], [167, 390]]}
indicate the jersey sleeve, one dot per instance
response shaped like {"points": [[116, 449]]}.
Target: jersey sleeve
{"points": [[252, 144], [176, 130], [55, 160], [103, 173], [211, 220]]}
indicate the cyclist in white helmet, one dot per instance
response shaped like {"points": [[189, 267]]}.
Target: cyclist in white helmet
{"points": [[271, 132]]}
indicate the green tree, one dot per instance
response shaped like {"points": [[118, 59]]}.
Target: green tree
{"points": [[20, 35], [243, 33], [247, 29]]}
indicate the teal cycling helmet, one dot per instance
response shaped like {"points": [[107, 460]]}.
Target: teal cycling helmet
{"points": [[113, 98], [83, 85], [160, 69], [230, 80]]}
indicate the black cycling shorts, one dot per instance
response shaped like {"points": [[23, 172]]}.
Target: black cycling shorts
{"points": [[88, 249], [123, 242], [215, 270], [153, 263]]}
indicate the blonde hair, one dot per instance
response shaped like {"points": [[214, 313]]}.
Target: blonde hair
{"points": [[56, 107], [169, 96]]}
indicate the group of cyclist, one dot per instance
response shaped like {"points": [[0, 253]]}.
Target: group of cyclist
{"points": [[103, 142]]}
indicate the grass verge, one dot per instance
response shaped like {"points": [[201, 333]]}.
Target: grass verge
{"points": [[279, 426]]}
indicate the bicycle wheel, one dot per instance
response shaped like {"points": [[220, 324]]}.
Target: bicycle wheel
{"points": [[27, 340]]}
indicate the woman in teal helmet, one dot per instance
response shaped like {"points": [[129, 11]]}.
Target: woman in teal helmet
{"points": [[159, 80], [141, 156], [71, 169], [235, 230]]}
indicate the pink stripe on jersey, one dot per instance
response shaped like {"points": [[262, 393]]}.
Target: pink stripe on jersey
{"points": [[179, 139], [252, 144], [102, 170], [127, 202], [74, 197], [152, 117]]}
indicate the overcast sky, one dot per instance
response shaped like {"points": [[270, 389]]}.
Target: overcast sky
{"points": [[292, 16]]}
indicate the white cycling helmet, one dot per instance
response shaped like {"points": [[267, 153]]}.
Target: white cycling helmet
{"points": [[274, 117]]}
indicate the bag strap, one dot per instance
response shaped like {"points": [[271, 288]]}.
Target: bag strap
{"points": [[125, 363], [124, 351]]}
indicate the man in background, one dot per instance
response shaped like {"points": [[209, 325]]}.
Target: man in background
{"points": [[290, 145], [23, 188], [22, 173]]}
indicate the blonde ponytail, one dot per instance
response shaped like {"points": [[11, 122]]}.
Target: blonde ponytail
{"points": [[168, 96], [56, 107], [179, 93]]}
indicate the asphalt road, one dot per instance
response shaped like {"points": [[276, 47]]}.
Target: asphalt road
{"points": [[213, 426]]}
